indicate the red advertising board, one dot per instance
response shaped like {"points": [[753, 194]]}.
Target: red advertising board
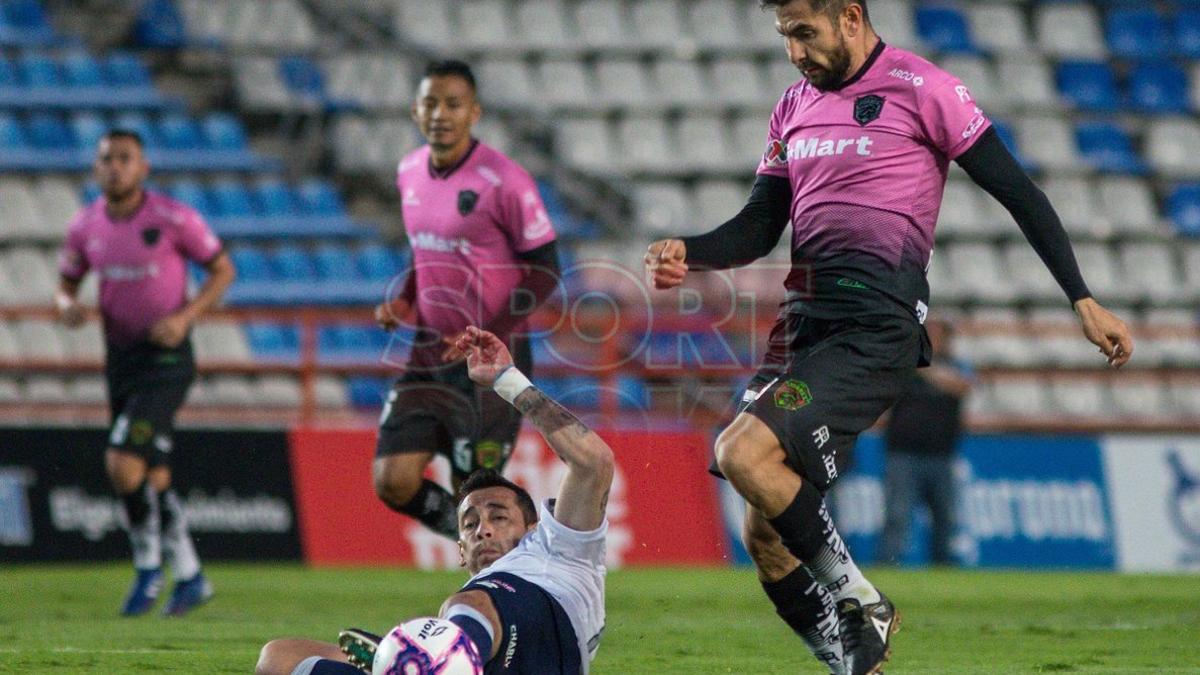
{"points": [[662, 510]]}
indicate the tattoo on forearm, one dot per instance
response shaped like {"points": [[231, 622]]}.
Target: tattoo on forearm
{"points": [[547, 415]]}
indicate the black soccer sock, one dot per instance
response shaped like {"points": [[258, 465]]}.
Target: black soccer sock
{"points": [[137, 505], [806, 607], [801, 525], [434, 507]]}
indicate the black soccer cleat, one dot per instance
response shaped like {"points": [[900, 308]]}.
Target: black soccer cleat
{"points": [[866, 634], [359, 646]]}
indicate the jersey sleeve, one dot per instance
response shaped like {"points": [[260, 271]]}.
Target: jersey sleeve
{"points": [[195, 240], [774, 161], [562, 541], [72, 260], [522, 214], [953, 121]]}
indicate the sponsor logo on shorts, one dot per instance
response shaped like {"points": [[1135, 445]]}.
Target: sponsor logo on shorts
{"points": [[489, 454], [851, 283], [793, 395], [821, 436]]}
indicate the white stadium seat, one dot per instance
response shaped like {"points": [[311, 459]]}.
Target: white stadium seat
{"points": [[662, 208], [87, 390], [976, 269], [998, 26], [1127, 204], [656, 23], [717, 23], [19, 219], [1024, 398], [543, 24], [895, 22], [331, 392], [10, 346], [85, 343], [431, 24], [41, 340], [1150, 269], [703, 143], [621, 83], [506, 82], [220, 341], [1049, 142], [46, 389], [565, 83], [1084, 399], [58, 202], [976, 73], [646, 145], [1037, 90], [1172, 147], [960, 213], [10, 390], [680, 82], [1074, 200], [485, 24], [1029, 274], [1142, 399], [718, 200], [602, 24], [586, 144], [1069, 30], [739, 82], [277, 391], [232, 391]]}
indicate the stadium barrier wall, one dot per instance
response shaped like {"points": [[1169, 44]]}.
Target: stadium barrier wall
{"points": [[56, 504], [1124, 502]]}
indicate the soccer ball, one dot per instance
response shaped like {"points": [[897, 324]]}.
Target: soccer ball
{"points": [[427, 646]]}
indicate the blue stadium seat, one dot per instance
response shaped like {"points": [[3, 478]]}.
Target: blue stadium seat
{"points": [[367, 392], [334, 263], [1159, 87], [292, 263], [251, 264], [319, 198], [347, 342], [231, 199], [81, 70], [39, 70], [1183, 207], [88, 128], [127, 70], [945, 30], [179, 132], [23, 22], [1106, 147], [223, 131], [8, 73], [275, 198], [159, 25], [302, 77], [193, 194], [1088, 85], [12, 136], [1137, 33], [380, 263], [49, 132], [273, 341], [140, 124], [1187, 33]]}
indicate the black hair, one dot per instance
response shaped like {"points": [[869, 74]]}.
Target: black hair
{"points": [[113, 134], [830, 7], [451, 67], [489, 478]]}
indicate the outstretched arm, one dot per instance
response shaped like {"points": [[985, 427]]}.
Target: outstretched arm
{"points": [[993, 168], [583, 494]]}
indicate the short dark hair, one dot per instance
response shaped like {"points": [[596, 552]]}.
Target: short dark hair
{"points": [[113, 134], [489, 478], [451, 67], [830, 7]]}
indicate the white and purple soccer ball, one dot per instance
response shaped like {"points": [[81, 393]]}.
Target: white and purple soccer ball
{"points": [[427, 646]]}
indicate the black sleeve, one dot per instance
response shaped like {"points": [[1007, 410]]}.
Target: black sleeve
{"points": [[542, 276], [749, 235], [994, 169]]}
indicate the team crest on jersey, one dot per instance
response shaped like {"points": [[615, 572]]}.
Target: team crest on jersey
{"points": [[868, 108], [776, 153], [151, 235], [466, 201]]}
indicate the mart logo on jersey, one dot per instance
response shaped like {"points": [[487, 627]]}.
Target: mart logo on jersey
{"points": [[868, 108], [777, 154], [804, 148], [793, 395]]}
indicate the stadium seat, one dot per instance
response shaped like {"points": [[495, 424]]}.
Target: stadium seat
{"points": [[506, 82], [58, 201], [997, 26], [489, 24], [331, 392], [1129, 205], [274, 342], [893, 20], [1183, 207], [367, 392], [977, 270], [193, 194], [87, 390], [1088, 85], [1025, 398], [1048, 142], [48, 132], [220, 341], [292, 263], [656, 23], [645, 145], [662, 208], [277, 391], [80, 69], [319, 198], [1081, 399], [159, 25], [703, 143], [334, 263], [380, 263], [960, 213], [716, 24], [944, 29], [233, 391], [8, 73], [427, 23], [1187, 33], [179, 132], [223, 131], [603, 23], [49, 389], [680, 82], [738, 82], [564, 83], [41, 340], [274, 198], [621, 83], [1106, 147], [127, 70], [231, 199], [38, 70], [1037, 90], [543, 24], [1172, 147], [88, 128], [715, 201], [1069, 30], [140, 125], [586, 144], [23, 23], [251, 264], [19, 219], [304, 80], [1185, 396], [977, 74], [1150, 271], [1137, 33], [1031, 279], [1159, 87], [1104, 278]]}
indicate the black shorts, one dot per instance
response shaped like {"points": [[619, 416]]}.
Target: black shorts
{"points": [[442, 411], [536, 636], [825, 381], [146, 386]]}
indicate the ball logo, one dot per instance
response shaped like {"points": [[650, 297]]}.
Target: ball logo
{"points": [[1185, 499], [777, 154]]}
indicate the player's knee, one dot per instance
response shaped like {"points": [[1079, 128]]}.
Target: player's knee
{"points": [[270, 659], [736, 456], [126, 472], [396, 488]]}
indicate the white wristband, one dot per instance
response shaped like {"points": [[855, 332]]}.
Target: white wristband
{"points": [[510, 383]]}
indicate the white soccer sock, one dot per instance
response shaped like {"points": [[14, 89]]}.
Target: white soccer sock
{"points": [[144, 537], [835, 569], [177, 541]]}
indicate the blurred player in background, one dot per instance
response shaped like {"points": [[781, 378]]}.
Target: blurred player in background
{"points": [[920, 445], [535, 601], [139, 242], [483, 253], [856, 159]]}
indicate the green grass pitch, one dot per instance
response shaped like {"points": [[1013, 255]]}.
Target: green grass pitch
{"points": [[62, 619]]}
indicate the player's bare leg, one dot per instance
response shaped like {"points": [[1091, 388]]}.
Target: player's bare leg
{"points": [[752, 458], [400, 483], [285, 656], [127, 472]]}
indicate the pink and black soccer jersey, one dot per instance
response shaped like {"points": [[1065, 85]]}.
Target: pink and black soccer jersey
{"points": [[867, 165], [466, 225], [141, 261]]}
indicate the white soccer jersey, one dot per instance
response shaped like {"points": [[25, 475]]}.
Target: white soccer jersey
{"points": [[569, 565]]}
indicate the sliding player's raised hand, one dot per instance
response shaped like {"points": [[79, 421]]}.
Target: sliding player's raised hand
{"points": [[665, 263], [486, 355], [1106, 331]]}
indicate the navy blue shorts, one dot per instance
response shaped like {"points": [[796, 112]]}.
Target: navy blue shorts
{"points": [[537, 635]]}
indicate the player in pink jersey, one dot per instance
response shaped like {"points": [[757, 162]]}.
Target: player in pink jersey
{"points": [[856, 159], [138, 242], [483, 254]]}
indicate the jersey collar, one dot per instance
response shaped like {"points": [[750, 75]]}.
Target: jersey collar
{"points": [[445, 173], [875, 54]]}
